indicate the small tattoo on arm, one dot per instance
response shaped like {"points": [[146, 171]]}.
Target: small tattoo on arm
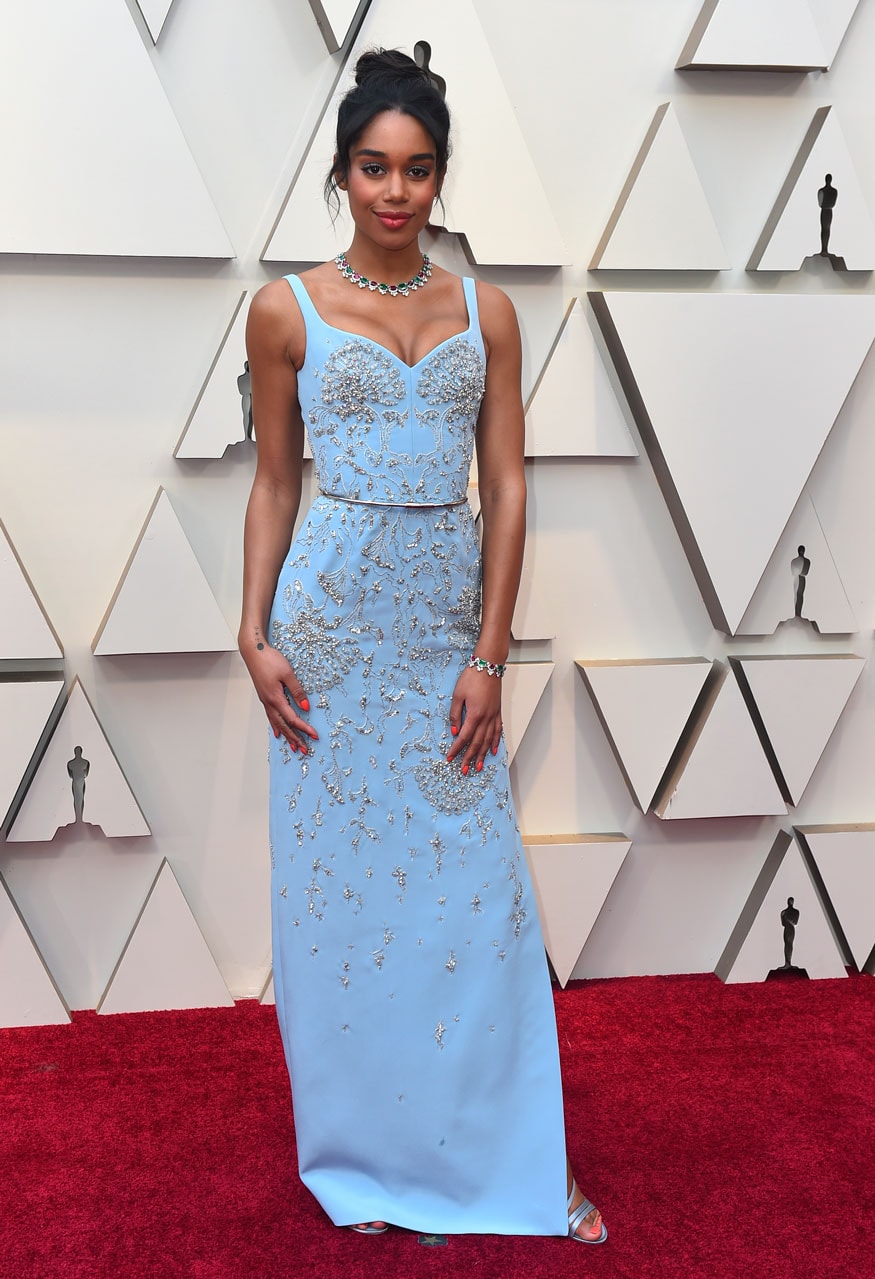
{"points": [[259, 642]]}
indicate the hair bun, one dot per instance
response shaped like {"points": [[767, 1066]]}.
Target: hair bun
{"points": [[389, 64]]}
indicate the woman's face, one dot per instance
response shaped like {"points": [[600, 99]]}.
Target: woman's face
{"points": [[392, 181]]}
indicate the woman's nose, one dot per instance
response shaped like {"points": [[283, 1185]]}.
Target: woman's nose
{"points": [[396, 186]]}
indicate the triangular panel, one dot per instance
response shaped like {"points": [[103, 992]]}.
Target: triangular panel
{"points": [[845, 859], [833, 17], [714, 380], [662, 220], [165, 963], [25, 630], [335, 17], [25, 708], [96, 159], [796, 703], [534, 614], [644, 707], [574, 410], [572, 876], [77, 769], [524, 684], [526, 232], [723, 771], [795, 228], [801, 581], [222, 413], [755, 35], [757, 944], [155, 15], [28, 994], [163, 602], [268, 994]]}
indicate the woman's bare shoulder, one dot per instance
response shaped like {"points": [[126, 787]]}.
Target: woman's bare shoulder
{"points": [[277, 297], [275, 323], [273, 303]]}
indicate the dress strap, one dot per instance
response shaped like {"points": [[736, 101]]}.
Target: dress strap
{"points": [[469, 284], [308, 310]]}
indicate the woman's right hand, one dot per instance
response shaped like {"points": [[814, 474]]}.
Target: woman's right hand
{"points": [[273, 678]]}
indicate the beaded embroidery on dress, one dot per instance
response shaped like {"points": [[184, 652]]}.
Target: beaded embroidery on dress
{"points": [[411, 983]]}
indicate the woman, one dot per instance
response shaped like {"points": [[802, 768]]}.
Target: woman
{"points": [[411, 983]]}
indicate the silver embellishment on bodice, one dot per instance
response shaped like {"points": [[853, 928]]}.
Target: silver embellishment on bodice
{"points": [[359, 378], [454, 376], [383, 431]]}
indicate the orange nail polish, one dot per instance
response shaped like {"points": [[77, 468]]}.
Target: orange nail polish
{"points": [[453, 729], [480, 766], [304, 704], [464, 770]]}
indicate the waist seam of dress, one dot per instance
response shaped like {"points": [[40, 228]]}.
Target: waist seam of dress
{"points": [[411, 506]]}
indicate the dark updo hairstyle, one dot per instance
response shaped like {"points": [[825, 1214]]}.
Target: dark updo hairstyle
{"points": [[388, 80]]}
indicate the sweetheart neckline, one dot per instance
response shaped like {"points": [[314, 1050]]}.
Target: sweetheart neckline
{"points": [[362, 337], [373, 341]]}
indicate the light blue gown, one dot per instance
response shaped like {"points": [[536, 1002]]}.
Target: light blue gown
{"points": [[411, 983]]}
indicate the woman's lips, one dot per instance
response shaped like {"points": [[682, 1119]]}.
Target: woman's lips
{"points": [[394, 219]]}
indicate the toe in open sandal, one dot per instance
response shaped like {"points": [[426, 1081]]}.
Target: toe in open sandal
{"points": [[369, 1228], [577, 1216]]}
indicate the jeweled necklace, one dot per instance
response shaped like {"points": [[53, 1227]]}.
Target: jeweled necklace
{"points": [[389, 290]]}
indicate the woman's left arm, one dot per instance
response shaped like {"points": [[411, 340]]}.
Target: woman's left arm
{"points": [[502, 484]]}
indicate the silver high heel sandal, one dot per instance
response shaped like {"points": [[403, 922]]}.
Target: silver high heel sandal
{"points": [[576, 1217]]}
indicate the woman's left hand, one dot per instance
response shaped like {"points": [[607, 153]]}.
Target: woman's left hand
{"points": [[475, 718]]}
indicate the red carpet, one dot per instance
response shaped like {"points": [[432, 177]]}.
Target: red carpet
{"points": [[726, 1133]]}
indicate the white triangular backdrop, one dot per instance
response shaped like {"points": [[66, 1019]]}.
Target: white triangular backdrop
{"points": [[114, 175], [335, 18], [165, 962], [574, 409], [825, 602], [792, 232], [155, 15], [534, 614], [756, 945], [572, 876], [737, 413], [524, 686], [644, 707], [845, 858], [833, 17], [163, 603], [216, 420], [662, 220], [780, 35], [800, 700], [25, 630], [28, 994], [25, 707], [724, 773], [48, 801]]}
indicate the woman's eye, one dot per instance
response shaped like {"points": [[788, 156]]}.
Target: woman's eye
{"points": [[372, 170], [418, 172]]}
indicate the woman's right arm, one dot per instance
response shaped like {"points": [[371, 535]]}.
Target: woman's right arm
{"points": [[275, 344]]}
